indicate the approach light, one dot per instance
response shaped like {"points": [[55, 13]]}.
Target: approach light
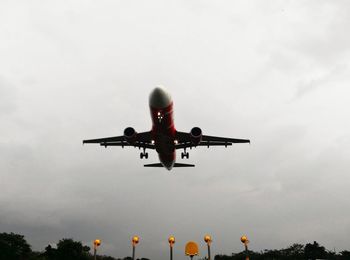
{"points": [[97, 242], [135, 240], [207, 239], [171, 240], [244, 239]]}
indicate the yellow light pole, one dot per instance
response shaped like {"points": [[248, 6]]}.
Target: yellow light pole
{"points": [[97, 243], [245, 241], [208, 240], [134, 241], [171, 241]]}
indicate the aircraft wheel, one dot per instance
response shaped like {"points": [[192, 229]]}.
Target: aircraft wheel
{"points": [[182, 155], [187, 155], [146, 155], [141, 155]]}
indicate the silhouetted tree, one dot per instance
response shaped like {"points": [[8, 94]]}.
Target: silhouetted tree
{"points": [[239, 256], [295, 251], [67, 249], [103, 257], [130, 258], [50, 253], [14, 247], [314, 251], [344, 255]]}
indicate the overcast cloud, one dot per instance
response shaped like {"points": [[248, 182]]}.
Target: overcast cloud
{"points": [[276, 72]]}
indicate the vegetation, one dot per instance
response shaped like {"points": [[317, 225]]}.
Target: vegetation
{"points": [[15, 247], [294, 252]]}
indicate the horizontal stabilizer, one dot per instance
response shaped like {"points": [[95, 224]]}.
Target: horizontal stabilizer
{"points": [[175, 165], [153, 165], [183, 165]]}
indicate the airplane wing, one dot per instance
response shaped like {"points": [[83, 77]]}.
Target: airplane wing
{"points": [[184, 141], [142, 140]]}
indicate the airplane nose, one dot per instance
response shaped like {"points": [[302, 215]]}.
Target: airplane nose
{"points": [[159, 98]]}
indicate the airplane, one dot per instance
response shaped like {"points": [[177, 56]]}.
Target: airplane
{"points": [[163, 137]]}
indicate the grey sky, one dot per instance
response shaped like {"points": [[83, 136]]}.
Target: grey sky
{"points": [[276, 72]]}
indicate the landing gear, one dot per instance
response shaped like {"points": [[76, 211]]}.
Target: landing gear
{"points": [[185, 155], [144, 154]]}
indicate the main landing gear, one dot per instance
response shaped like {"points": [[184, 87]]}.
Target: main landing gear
{"points": [[144, 154], [185, 154]]}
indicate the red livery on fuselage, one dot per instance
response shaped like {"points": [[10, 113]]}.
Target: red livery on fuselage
{"points": [[163, 129], [163, 137]]}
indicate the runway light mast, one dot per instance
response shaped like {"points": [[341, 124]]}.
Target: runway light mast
{"points": [[97, 243], [208, 240], [134, 241], [171, 241], [245, 241]]}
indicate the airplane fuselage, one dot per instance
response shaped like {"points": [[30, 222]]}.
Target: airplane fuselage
{"points": [[163, 129]]}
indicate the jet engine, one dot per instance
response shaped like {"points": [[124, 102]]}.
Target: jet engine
{"points": [[196, 135], [130, 135]]}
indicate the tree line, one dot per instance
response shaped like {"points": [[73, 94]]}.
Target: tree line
{"points": [[294, 252], [15, 247]]}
